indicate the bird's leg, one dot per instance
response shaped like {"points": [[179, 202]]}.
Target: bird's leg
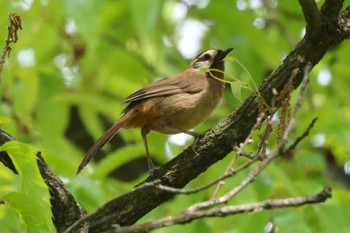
{"points": [[197, 136], [151, 167]]}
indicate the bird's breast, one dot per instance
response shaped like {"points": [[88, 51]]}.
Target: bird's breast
{"points": [[184, 111]]}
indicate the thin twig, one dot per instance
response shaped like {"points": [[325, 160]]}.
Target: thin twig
{"points": [[301, 137], [247, 141], [248, 155], [228, 174], [229, 171], [186, 217]]}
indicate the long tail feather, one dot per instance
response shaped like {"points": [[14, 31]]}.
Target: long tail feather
{"points": [[108, 135]]}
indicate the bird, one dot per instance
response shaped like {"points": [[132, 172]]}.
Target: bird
{"points": [[175, 104]]}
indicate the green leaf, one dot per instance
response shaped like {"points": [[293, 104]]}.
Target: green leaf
{"points": [[35, 216], [32, 200], [236, 88]]}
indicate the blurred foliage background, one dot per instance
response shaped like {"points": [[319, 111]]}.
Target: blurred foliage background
{"points": [[74, 63]]}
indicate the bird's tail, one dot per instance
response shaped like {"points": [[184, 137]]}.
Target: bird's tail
{"points": [[108, 135]]}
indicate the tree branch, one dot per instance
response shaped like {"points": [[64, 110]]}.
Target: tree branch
{"points": [[312, 16], [301, 137], [331, 8], [188, 216], [65, 209], [229, 173], [218, 142], [4, 157]]}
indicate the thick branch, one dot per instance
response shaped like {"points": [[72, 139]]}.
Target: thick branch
{"points": [[65, 209], [312, 15], [218, 142], [331, 9]]}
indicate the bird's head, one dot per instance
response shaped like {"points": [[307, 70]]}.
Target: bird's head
{"points": [[209, 58]]}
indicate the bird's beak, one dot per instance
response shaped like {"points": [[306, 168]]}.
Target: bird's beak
{"points": [[223, 53]]}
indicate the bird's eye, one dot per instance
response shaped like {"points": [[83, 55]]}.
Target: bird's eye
{"points": [[206, 57]]}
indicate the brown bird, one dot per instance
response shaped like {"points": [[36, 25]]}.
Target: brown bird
{"points": [[172, 105]]}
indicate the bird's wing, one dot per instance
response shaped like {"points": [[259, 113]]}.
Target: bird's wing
{"points": [[186, 82]]}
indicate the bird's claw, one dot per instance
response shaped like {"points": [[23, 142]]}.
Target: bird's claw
{"points": [[197, 136]]}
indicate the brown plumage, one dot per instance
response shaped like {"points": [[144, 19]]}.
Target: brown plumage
{"points": [[171, 105]]}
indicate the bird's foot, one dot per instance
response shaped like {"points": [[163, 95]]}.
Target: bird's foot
{"points": [[197, 137], [153, 172]]}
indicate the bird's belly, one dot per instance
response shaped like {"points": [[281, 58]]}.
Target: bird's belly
{"points": [[183, 111]]}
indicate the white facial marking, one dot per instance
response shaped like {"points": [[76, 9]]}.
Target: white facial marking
{"points": [[204, 60]]}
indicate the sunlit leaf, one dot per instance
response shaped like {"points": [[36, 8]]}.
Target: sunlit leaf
{"points": [[32, 201], [236, 88]]}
